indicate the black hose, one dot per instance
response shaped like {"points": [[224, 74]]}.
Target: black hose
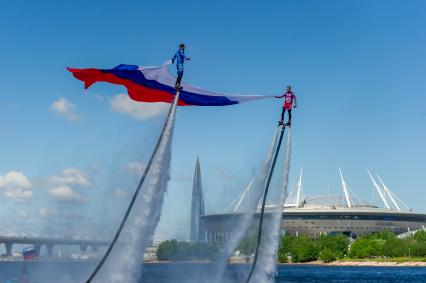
{"points": [[135, 195], [262, 211]]}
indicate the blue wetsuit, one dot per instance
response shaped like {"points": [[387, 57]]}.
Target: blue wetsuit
{"points": [[180, 59]]}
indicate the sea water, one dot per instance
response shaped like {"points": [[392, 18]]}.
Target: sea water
{"points": [[75, 272]]}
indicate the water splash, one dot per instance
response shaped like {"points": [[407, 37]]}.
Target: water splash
{"points": [[270, 242], [239, 231], [125, 262]]}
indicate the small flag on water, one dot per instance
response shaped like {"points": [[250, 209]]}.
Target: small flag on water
{"points": [[29, 253]]}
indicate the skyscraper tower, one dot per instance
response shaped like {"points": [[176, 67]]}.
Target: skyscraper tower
{"points": [[197, 207]]}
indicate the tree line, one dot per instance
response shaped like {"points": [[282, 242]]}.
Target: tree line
{"points": [[183, 251], [327, 248]]}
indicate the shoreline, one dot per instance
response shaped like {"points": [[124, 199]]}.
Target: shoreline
{"points": [[373, 263], [353, 263]]}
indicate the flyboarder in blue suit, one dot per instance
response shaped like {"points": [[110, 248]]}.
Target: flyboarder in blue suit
{"points": [[180, 60]]}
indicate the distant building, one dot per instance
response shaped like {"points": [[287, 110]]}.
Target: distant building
{"points": [[197, 207], [316, 215]]}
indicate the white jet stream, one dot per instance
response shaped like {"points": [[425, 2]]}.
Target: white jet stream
{"points": [[126, 261], [270, 241], [239, 231]]}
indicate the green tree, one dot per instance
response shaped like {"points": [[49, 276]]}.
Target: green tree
{"points": [[285, 248], [420, 236], [366, 248], [338, 244], [382, 235], [282, 257], [167, 250], [205, 250], [286, 243], [247, 245], [304, 249], [417, 249], [185, 251], [181, 251], [329, 247], [394, 248], [327, 255]]}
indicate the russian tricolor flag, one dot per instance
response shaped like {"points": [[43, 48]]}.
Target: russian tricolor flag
{"points": [[29, 253], [156, 84]]}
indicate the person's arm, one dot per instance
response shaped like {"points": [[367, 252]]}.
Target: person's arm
{"points": [[174, 58], [295, 101], [184, 57], [277, 96]]}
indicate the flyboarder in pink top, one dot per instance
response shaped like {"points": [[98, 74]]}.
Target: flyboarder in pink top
{"points": [[289, 98]]}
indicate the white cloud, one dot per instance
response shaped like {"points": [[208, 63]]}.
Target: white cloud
{"points": [[19, 194], [120, 193], [46, 212], [14, 179], [183, 178], [223, 173], [65, 193], [65, 109], [140, 111], [99, 97], [136, 168], [71, 176], [23, 214], [16, 185], [64, 186]]}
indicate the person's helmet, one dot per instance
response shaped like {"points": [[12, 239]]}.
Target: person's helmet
{"points": [[182, 46], [289, 87]]}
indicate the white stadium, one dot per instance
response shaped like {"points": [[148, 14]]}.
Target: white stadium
{"points": [[314, 215]]}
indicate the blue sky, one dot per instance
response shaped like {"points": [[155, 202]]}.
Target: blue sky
{"points": [[357, 68]]}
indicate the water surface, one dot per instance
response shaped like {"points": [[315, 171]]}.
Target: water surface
{"points": [[76, 272]]}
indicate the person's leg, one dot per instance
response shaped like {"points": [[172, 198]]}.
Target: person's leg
{"points": [[179, 77], [289, 116], [282, 115]]}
